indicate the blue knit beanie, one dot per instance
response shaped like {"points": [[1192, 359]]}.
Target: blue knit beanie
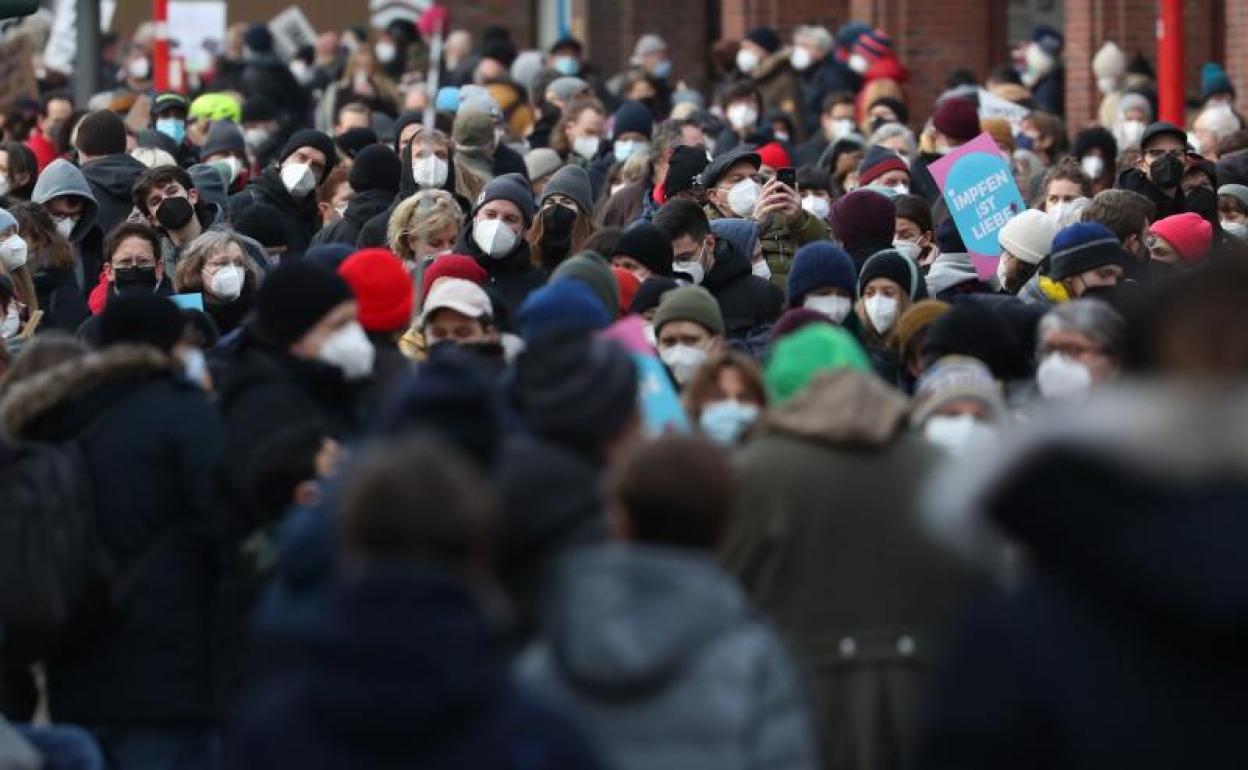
{"points": [[820, 265], [633, 117], [561, 307], [1214, 81]]}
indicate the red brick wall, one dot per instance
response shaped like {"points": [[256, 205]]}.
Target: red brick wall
{"points": [[615, 26], [1236, 47], [476, 15]]}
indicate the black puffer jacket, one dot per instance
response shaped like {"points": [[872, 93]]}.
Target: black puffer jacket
{"points": [[300, 218], [360, 211], [514, 277], [152, 452], [748, 303]]}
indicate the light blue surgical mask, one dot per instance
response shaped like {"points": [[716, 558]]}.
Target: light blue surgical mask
{"points": [[567, 65], [173, 128], [625, 150], [725, 421], [663, 69]]}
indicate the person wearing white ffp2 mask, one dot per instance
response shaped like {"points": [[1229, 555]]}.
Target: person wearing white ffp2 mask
{"points": [[1080, 348], [309, 313], [688, 327], [888, 284], [822, 279], [957, 405], [304, 168], [500, 223]]}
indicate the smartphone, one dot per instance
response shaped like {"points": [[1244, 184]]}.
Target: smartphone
{"points": [[787, 176]]}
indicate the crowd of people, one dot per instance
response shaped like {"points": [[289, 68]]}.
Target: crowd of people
{"points": [[561, 419]]}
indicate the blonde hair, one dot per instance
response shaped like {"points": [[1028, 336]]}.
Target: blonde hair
{"points": [[428, 211], [187, 277]]}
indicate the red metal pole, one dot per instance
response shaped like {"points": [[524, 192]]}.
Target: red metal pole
{"points": [[1170, 62], [160, 47]]}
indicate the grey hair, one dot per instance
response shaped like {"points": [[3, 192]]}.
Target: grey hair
{"points": [[819, 36], [1092, 318], [892, 131]]}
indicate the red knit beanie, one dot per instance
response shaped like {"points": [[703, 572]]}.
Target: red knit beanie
{"points": [[382, 289], [773, 155], [628, 285], [1190, 234], [957, 119], [453, 266]]}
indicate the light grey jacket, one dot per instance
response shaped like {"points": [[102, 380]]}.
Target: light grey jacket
{"points": [[662, 656]]}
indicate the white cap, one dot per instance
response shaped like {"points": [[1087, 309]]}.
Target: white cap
{"points": [[1029, 236], [648, 44], [464, 297]]}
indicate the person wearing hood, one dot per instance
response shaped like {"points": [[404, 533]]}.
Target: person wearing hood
{"points": [[869, 652], [374, 177], [564, 220], [863, 222], [495, 237], [216, 265], [65, 193], [475, 142], [226, 148], [733, 192], [427, 164], [450, 701], [265, 75], [151, 444], [888, 285], [749, 304], [101, 144], [767, 65], [1045, 75], [289, 187], [169, 114], [709, 683], [1158, 174]]}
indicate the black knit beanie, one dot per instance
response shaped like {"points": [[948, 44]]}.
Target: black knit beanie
{"points": [[141, 319], [375, 168], [317, 140], [295, 297], [647, 244]]}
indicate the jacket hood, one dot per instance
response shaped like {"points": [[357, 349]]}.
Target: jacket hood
{"points": [[841, 407], [64, 178], [730, 264], [1136, 496], [624, 619], [114, 173], [741, 233], [774, 64], [363, 206], [57, 402], [210, 185], [948, 271], [411, 639]]}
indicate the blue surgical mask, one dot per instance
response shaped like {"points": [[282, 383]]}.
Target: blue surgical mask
{"points": [[725, 421], [624, 150], [173, 128], [663, 69], [567, 65]]}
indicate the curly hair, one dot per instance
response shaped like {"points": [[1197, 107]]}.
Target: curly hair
{"points": [[428, 211]]}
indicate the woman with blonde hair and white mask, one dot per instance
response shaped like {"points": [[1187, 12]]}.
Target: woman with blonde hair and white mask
{"points": [[424, 227]]}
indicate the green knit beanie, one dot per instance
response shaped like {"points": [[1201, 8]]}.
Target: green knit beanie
{"points": [[690, 303], [594, 271], [817, 348]]}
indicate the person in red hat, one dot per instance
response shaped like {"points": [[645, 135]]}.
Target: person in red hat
{"points": [[1180, 239], [412, 343], [955, 123], [383, 293], [773, 156]]}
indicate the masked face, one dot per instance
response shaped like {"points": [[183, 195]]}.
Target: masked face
{"points": [[494, 238], [65, 225], [227, 282], [817, 206], [1063, 378], [881, 311], [350, 350], [1167, 171], [958, 434], [12, 252], [12, 323], [909, 249], [430, 172], [743, 196], [724, 422], [174, 128], [801, 58], [586, 146], [174, 213], [1093, 166], [742, 115], [747, 60], [298, 180], [858, 63], [834, 306], [567, 65], [682, 360], [625, 150]]}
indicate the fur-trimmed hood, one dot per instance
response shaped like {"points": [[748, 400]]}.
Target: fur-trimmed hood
{"points": [[1136, 495], [62, 399]]}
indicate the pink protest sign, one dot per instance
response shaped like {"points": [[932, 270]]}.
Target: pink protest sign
{"points": [[977, 184]]}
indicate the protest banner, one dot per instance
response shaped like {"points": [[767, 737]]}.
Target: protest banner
{"points": [[993, 106], [978, 187], [657, 398], [291, 31]]}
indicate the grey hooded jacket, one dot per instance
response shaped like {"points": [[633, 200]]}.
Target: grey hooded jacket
{"points": [[62, 178], [660, 653]]}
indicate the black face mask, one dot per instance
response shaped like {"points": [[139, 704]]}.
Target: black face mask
{"points": [[174, 213], [1167, 172], [557, 223], [134, 278]]}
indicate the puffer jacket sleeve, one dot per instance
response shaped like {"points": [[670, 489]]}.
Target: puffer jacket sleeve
{"points": [[783, 715]]}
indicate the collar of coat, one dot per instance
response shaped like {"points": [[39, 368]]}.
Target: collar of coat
{"points": [[36, 396], [844, 407]]}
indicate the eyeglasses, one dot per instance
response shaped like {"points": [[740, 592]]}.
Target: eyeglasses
{"points": [[125, 263], [1158, 153], [1071, 350]]}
